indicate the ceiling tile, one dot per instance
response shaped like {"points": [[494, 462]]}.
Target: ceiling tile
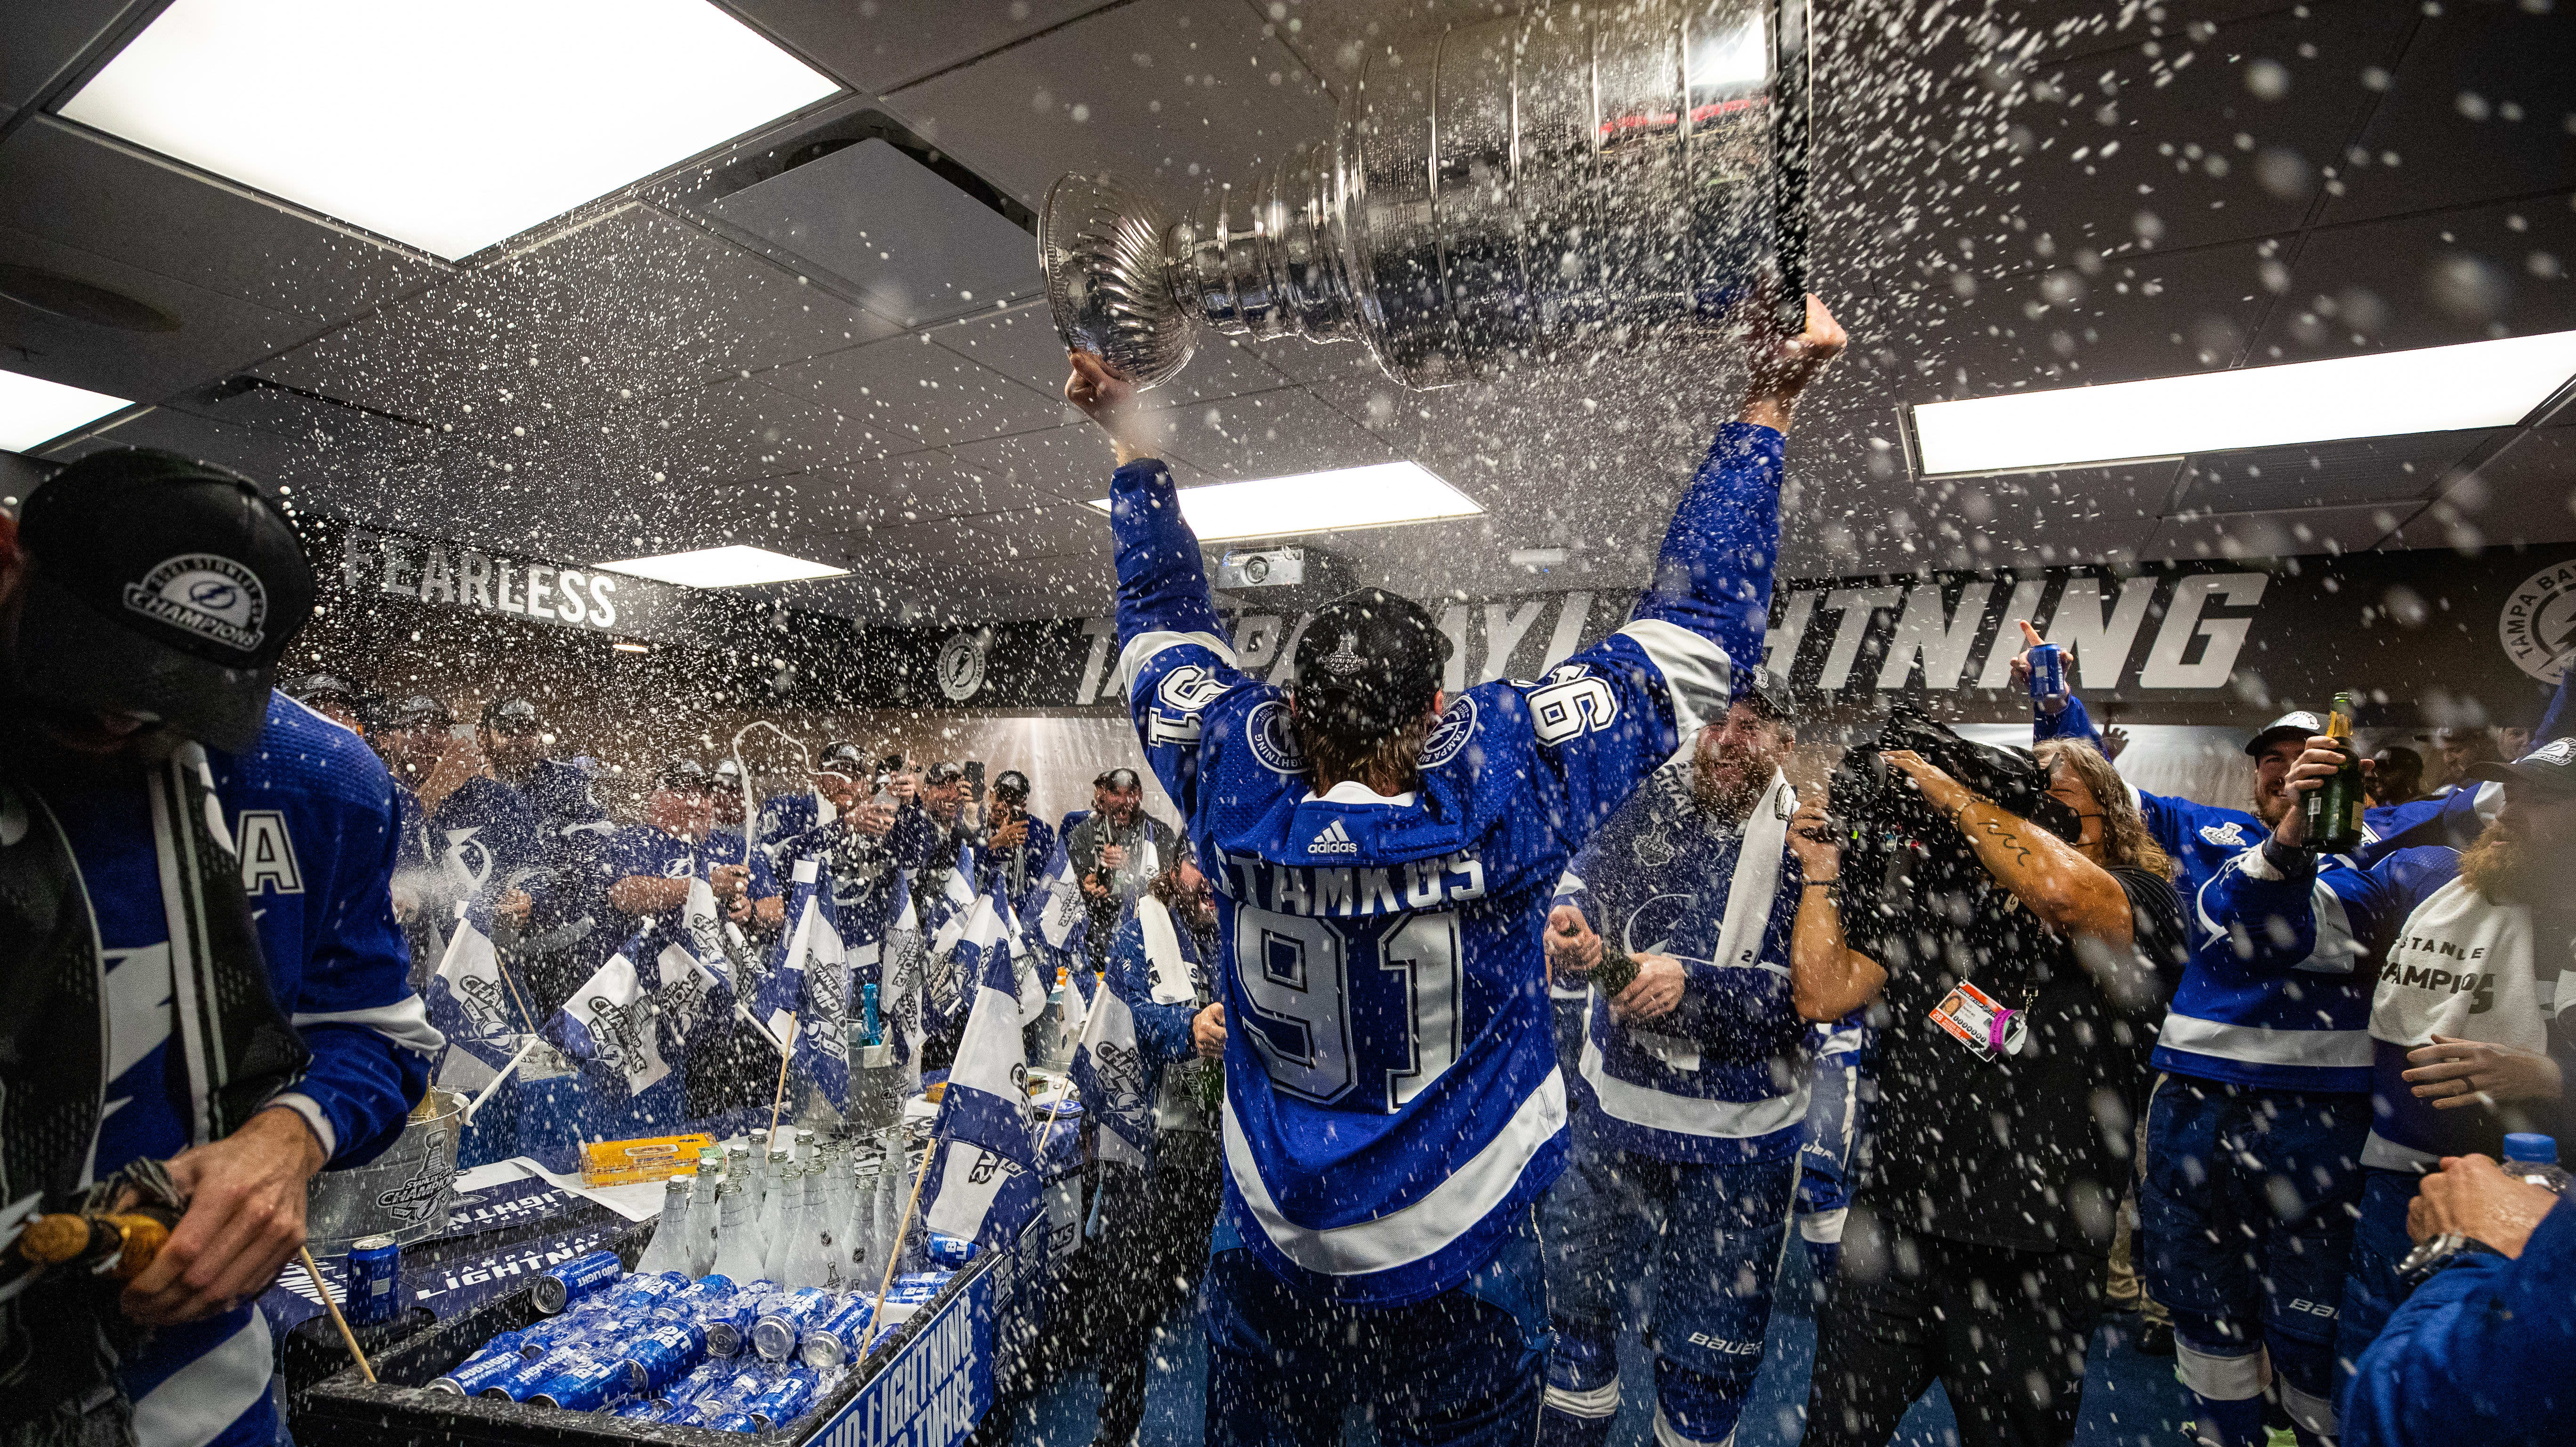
{"points": [[83, 190], [632, 305], [2428, 281], [908, 244], [2525, 495], [1070, 463], [1022, 343], [45, 38], [883, 43], [1169, 95], [215, 335], [2479, 107], [2274, 534], [912, 392], [2378, 470], [1268, 434]]}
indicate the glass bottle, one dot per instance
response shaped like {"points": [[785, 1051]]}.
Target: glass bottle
{"points": [[669, 1248], [737, 1254], [2334, 810]]}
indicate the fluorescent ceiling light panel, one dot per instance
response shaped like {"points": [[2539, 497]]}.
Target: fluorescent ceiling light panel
{"points": [[448, 125], [737, 566], [33, 410], [2385, 394], [1382, 495]]}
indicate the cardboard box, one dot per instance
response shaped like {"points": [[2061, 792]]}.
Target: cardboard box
{"points": [[653, 1158]]}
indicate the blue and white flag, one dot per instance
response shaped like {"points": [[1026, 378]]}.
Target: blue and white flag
{"points": [[1110, 1074], [609, 1022], [469, 1001], [1054, 913], [805, 1002], [686, 972], [987, 1180]]}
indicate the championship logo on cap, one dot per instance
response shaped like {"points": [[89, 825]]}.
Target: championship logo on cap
{"points": [[1344, 661], [209, 595]]}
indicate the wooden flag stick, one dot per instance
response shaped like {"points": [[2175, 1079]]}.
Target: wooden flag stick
{"points": [[894, 1248], [779, 1100], [337, 1319]]}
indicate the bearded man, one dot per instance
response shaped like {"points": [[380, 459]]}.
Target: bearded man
{"points": [[1695, 1077], [2465, 1036]]}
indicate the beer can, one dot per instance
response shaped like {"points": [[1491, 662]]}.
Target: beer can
{"points": [[642, 1293], [685, 1305], [684, 1414], [779, 1328], [554, 1290], [742, 1422], [522, 1381], [585, 1385], [735, 1390], [835, 1339], [642, 1409], [728, 1326], [373, 1281], [783, 1401], [662, 1354], [2047, 672], [481, 1370], [700, 1380], [917, 1288], [952, 1252], [570, 1329]]}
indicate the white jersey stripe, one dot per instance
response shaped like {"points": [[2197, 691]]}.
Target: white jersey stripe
{"points": [[1726, 1119], [1450, 1210], [1696, 671], [2255, 1045], [405, 1022], [193, 1405], [1140, 650]]}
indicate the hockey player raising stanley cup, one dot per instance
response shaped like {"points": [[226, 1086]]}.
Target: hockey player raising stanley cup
{"points": [[1384, 854]]}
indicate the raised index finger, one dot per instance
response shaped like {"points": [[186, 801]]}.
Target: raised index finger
{"points": [[2029, 634]]}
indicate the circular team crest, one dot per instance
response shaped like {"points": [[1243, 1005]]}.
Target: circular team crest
{"points": [[1457, 725], [2537, 624], [961, 666], [1274, 738]]}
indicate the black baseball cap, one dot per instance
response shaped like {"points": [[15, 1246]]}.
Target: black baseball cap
{"points": [[845, 759], [2549, 769], [2296, 724], [1766, 695], [421, 711], [1011, 784], [1368, 665], [1121, 779], [314, 687], [684, 774], [942, 772], [160, 585], [513, 716]]}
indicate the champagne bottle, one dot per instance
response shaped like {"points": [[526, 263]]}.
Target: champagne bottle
{"points": [[788, 1191], [669, 1248], [737, 1254], [2334, 811], [810, 1260]]}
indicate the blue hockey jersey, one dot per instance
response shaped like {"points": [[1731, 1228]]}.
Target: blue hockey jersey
{"points": [[1725, 1076], [2486, 1341], [1393, 1103], [2447, 961], [312, 817], [2240, 1016]]}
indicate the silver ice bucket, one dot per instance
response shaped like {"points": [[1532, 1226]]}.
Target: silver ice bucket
{"points": [[405, 1193], [1574, 180]]}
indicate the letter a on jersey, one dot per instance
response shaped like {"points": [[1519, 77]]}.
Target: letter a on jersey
{"points": [[267, 854]]}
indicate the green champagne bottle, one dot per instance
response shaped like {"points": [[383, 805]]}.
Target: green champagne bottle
{"points": [[2334, 811]]}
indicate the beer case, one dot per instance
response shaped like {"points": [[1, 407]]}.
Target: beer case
{"points": [[640, 1161]]}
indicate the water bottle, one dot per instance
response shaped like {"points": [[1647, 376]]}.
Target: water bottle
{"points": [[2529, 1156]]}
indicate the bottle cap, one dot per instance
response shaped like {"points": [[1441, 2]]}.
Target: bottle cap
{"points": [[2530, 1146]]}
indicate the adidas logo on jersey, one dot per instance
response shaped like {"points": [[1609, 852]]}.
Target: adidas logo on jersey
{"points": [[1334, 840]]}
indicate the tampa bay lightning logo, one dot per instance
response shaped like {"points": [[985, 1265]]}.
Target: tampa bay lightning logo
{"points": [[2227, 836], [1456, 727], [1274, 738]]}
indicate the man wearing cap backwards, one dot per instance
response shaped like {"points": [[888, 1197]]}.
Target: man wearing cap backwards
{"points": [[1114, 852], [2252, 1170], [2466, 1040], [1699, 1077], [1384, 859], [200, 963]]}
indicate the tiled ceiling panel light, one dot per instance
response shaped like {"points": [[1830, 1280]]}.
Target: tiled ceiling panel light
{"points": [[447, 125], [738, 566], [33, 410], [1384, 494], [2384, 394]]}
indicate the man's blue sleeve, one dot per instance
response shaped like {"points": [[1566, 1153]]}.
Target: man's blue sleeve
{"points": [[2487, 1341], [2559, 719], [2453, 821], [2070, 722], [369, 1034], [1173, 659], [913, 837], [1604, 719], [2253, 916]]}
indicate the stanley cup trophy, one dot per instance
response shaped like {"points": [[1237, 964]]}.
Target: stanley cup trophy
{"points": [[1574, 180]]}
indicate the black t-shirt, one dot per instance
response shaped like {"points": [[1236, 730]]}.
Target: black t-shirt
{"points": [[2031, 1150]]}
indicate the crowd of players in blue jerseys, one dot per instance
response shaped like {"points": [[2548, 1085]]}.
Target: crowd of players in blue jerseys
{"points": [[1446, 1163]]}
